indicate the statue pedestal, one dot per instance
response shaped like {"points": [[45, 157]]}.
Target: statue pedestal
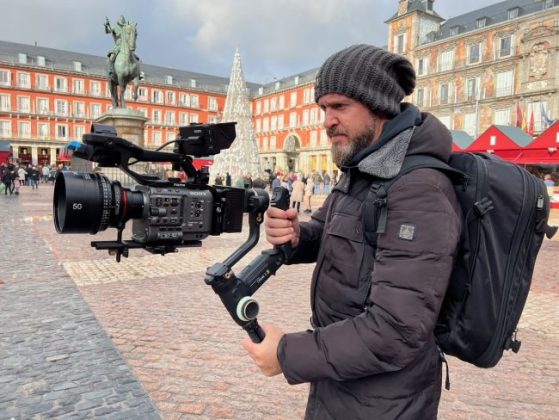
{"points": [[129, 124]]}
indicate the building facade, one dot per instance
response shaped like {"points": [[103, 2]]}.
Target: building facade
{"points": [[49, 97], [495, 65]]}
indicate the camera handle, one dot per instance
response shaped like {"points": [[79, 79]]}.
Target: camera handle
{"points": [[236, 292]]}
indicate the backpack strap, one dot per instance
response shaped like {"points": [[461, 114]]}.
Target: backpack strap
{"points": [[376, 209]]}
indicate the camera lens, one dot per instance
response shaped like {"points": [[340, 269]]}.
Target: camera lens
{"points": [[89, 203]]}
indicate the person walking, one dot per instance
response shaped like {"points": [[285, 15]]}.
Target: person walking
{"points": [[309, 188], [371, 351], [297, 193]]}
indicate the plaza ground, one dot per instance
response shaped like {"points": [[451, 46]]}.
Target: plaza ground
{"points": [[177, 352]]}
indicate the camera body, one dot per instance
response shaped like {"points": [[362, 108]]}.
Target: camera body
{"points": [[176, 215]]}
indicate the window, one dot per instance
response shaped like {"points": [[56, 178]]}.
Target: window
{"points": [[400, 43], [170, 118], [43, 130], [501, 117], [446, 120], [142, 94], [314, 138], [156, 116], [61, 131], [156, 96], [5, 128], [42, 82], [513, 13], [5, 103], [443, 95], [266, 106], [212, 104], [95, 88], [293, 99], [22, 58], [157, 138], [24, 129], [61, 107], [192, 83], [505, 47], [78, 86], [169, 79], [194, 101], [194, 118], [454, 30], [266, 124], [41, 61], [77, 66], [274, 123], [5, 78], [79, 109], [23, 80], [23, 104], [446, 60], [420, 97], [307, 98], [422, 66], [273, 142], [282, 102], [504, 83], [280, 122], [171, 98], [95, 110], [470, 121], [258, 108], [292, 120], [183, 118], [481, 22], [314, 116], [60, 84], [43, 106], [548, 4], [474, 53], [274, 104], [79, 131], [258, 127], [472, 89]]}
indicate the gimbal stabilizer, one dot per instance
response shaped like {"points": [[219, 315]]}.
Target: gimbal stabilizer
{"points": [[236, 291]]}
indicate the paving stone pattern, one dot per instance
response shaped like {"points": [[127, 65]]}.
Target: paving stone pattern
{"points": [[181, 344]]}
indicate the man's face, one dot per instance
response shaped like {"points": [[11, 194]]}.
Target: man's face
{"points": [[349, 124]]}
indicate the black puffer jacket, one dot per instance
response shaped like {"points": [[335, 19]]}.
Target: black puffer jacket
{"points": [[372, 353]]}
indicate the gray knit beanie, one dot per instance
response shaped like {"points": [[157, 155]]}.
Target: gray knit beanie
{"points": [[371, 75]]}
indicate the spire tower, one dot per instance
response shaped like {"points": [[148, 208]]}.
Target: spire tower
{"points": [[242, 157]]}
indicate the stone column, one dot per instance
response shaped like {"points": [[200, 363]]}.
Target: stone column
{"points": [[52, 155], [34, 155]]}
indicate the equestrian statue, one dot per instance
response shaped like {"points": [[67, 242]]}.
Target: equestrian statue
{"points": [[123, 65]]}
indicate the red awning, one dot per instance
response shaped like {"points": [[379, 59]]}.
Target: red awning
{"points": [[64, 157]]}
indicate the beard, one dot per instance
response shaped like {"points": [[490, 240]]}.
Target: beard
{"points": [[342, 154]]}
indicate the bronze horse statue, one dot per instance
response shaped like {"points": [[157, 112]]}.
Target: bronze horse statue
{"points": [[126, 67]]}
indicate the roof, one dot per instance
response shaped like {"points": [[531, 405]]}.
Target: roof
{"points": [[461, 138], [95, 65], [516, 134], [494, 14], [416, 6], [4, 146]]}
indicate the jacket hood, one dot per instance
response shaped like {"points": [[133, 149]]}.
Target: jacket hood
{"points": [[409, 133]]}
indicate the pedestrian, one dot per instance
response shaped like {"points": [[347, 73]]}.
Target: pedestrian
{"points": [[228, 179], [371, 352], [309, 188], [326, 178], [21, 173], [297, 194]]}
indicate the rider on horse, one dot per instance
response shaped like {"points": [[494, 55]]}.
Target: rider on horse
{"points": [[117, 36]]}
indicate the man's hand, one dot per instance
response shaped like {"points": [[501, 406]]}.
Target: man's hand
{"points": [[264, 354], [282, 226]]}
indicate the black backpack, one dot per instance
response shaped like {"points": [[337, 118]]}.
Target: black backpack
{"points": [[505, 210]]}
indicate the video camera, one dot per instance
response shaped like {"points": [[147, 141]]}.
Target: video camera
{"points": [[167, 213]]}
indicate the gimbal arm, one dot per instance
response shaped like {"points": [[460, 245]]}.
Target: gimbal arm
{"points": [[236, 291]]}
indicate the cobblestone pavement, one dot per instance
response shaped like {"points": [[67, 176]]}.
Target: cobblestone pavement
{"points": [[172, 333]]}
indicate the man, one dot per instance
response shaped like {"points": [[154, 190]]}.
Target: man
{"points": [[372, 351]]}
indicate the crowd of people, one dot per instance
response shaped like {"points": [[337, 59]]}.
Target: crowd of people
{"points": [[16, 175], [301, 187]]}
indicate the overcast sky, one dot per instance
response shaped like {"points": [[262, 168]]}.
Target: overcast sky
{"points": [[276, 38]]}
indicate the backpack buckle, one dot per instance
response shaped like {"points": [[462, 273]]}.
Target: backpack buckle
{"points": [[483, 206]]}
